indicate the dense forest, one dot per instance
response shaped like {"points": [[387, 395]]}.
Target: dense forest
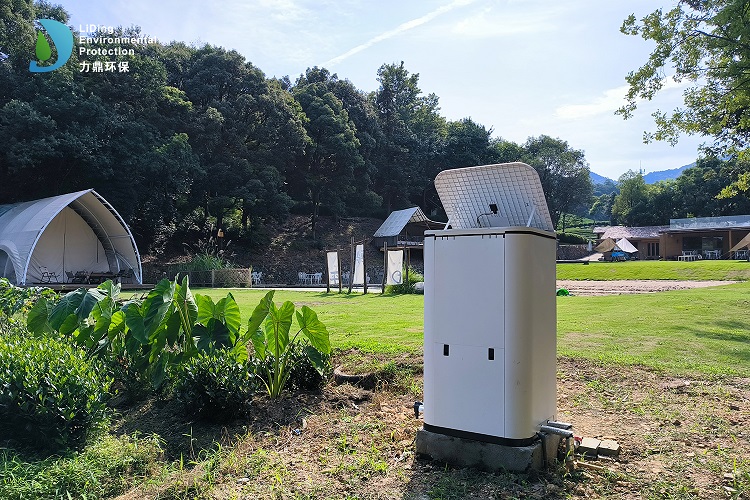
{"points": [[190, 139]]}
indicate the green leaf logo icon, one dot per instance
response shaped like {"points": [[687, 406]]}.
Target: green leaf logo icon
{"points": [[43, 50]]}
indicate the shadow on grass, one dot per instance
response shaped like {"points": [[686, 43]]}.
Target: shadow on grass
{"points": [[185, 436], [734, 338], [432, 479]]}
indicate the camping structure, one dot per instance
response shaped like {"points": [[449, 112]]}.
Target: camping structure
{"points": [[42, 241], [744, 243], [615, 250], [404, 228], [627, 247]]}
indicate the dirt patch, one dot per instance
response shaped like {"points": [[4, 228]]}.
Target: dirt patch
{"points": [[622, 287], [680, 438]]}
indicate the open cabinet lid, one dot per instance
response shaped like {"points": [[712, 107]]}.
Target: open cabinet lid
{"points": [[501, 195]]}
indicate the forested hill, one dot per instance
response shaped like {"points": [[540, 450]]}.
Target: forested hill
{"points": [[182, 139]]}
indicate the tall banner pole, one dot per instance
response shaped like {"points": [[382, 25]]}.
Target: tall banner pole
{"points": [[338, 262], [328, 274], [364, 267], [385, 266], [408, 262], [351, 266]]}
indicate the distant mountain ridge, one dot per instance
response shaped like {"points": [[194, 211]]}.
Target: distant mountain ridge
{"points": [[650, 178]]}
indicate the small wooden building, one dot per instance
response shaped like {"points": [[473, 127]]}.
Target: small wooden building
{"points": [[404, 228]]}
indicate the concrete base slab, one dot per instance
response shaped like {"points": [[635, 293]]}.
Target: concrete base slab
{"points": [[487, 456]]}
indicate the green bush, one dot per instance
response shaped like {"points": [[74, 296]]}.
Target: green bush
{"points": [[414, 277], [51, 395], [303, 375], [106, 468], [15, 302], [571, 239], [215, 386]]}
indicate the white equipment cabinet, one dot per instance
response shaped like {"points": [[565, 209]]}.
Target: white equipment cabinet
{"points": [[490, 318]]}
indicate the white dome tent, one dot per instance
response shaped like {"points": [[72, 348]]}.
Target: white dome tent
{"points": [[68, 233]]}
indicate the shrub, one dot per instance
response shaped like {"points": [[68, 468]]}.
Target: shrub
{"points": [[215, 386], [571, 239], [303, 375], [17, 301], [414, 277], [52, 396]]}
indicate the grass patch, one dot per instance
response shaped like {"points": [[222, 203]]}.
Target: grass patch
{"points": [[702, 270], [107, 467], [688, 331], [372, 323]]}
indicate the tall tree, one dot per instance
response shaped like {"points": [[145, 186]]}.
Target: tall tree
{"points": [[706, 43], [631, 200], [362, 199], [564, 174], [331, 155], [396, 101]]}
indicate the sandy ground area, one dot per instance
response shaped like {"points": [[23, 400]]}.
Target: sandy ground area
{"points": [[620, 287]]}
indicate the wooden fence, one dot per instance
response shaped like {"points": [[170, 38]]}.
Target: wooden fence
{"points": [[215, 278]]}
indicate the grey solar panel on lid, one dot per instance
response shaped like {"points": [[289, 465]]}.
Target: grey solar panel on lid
{"points": [[471, 195]]}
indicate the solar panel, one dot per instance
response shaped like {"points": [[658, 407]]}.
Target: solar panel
{"points": [[502, 195]]}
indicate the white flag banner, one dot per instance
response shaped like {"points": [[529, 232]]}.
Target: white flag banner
{"points": [[333, 268], [359, 265], [395, 266]]}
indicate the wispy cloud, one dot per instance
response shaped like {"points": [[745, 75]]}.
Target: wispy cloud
{"points": [[402, 28], [608, 102], [491, 23]]}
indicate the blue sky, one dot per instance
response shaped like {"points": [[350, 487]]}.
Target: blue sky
{"points": [[522, 67]]}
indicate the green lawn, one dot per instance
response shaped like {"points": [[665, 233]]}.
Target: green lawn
{"points": [[702, 270], [372, 322], [703, 331]]}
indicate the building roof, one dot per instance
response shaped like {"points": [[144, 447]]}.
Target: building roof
{"points": [[68, 232], [397, 220], [631, 233], [707, 223]]}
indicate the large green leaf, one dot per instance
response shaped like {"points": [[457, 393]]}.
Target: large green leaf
{"points": [[38, 318], [186, 306], [156, 305], [206, 309], [88, 302], [229, 313], [259, 314], [259, 343], [277, 326], [314, 330], [213, 335], [134, 321], [111, 289], [316, 359], [116, 324], [67, 306]]}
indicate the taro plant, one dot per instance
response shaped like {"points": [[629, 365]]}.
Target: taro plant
{"points": [[151, 336], [269, 329]]}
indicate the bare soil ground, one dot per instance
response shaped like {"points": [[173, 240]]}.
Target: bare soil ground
{"points": [[620, 287], [680, 438]]}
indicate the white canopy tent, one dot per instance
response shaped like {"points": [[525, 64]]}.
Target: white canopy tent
{"points": [[626, 246], [67, 233]]}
